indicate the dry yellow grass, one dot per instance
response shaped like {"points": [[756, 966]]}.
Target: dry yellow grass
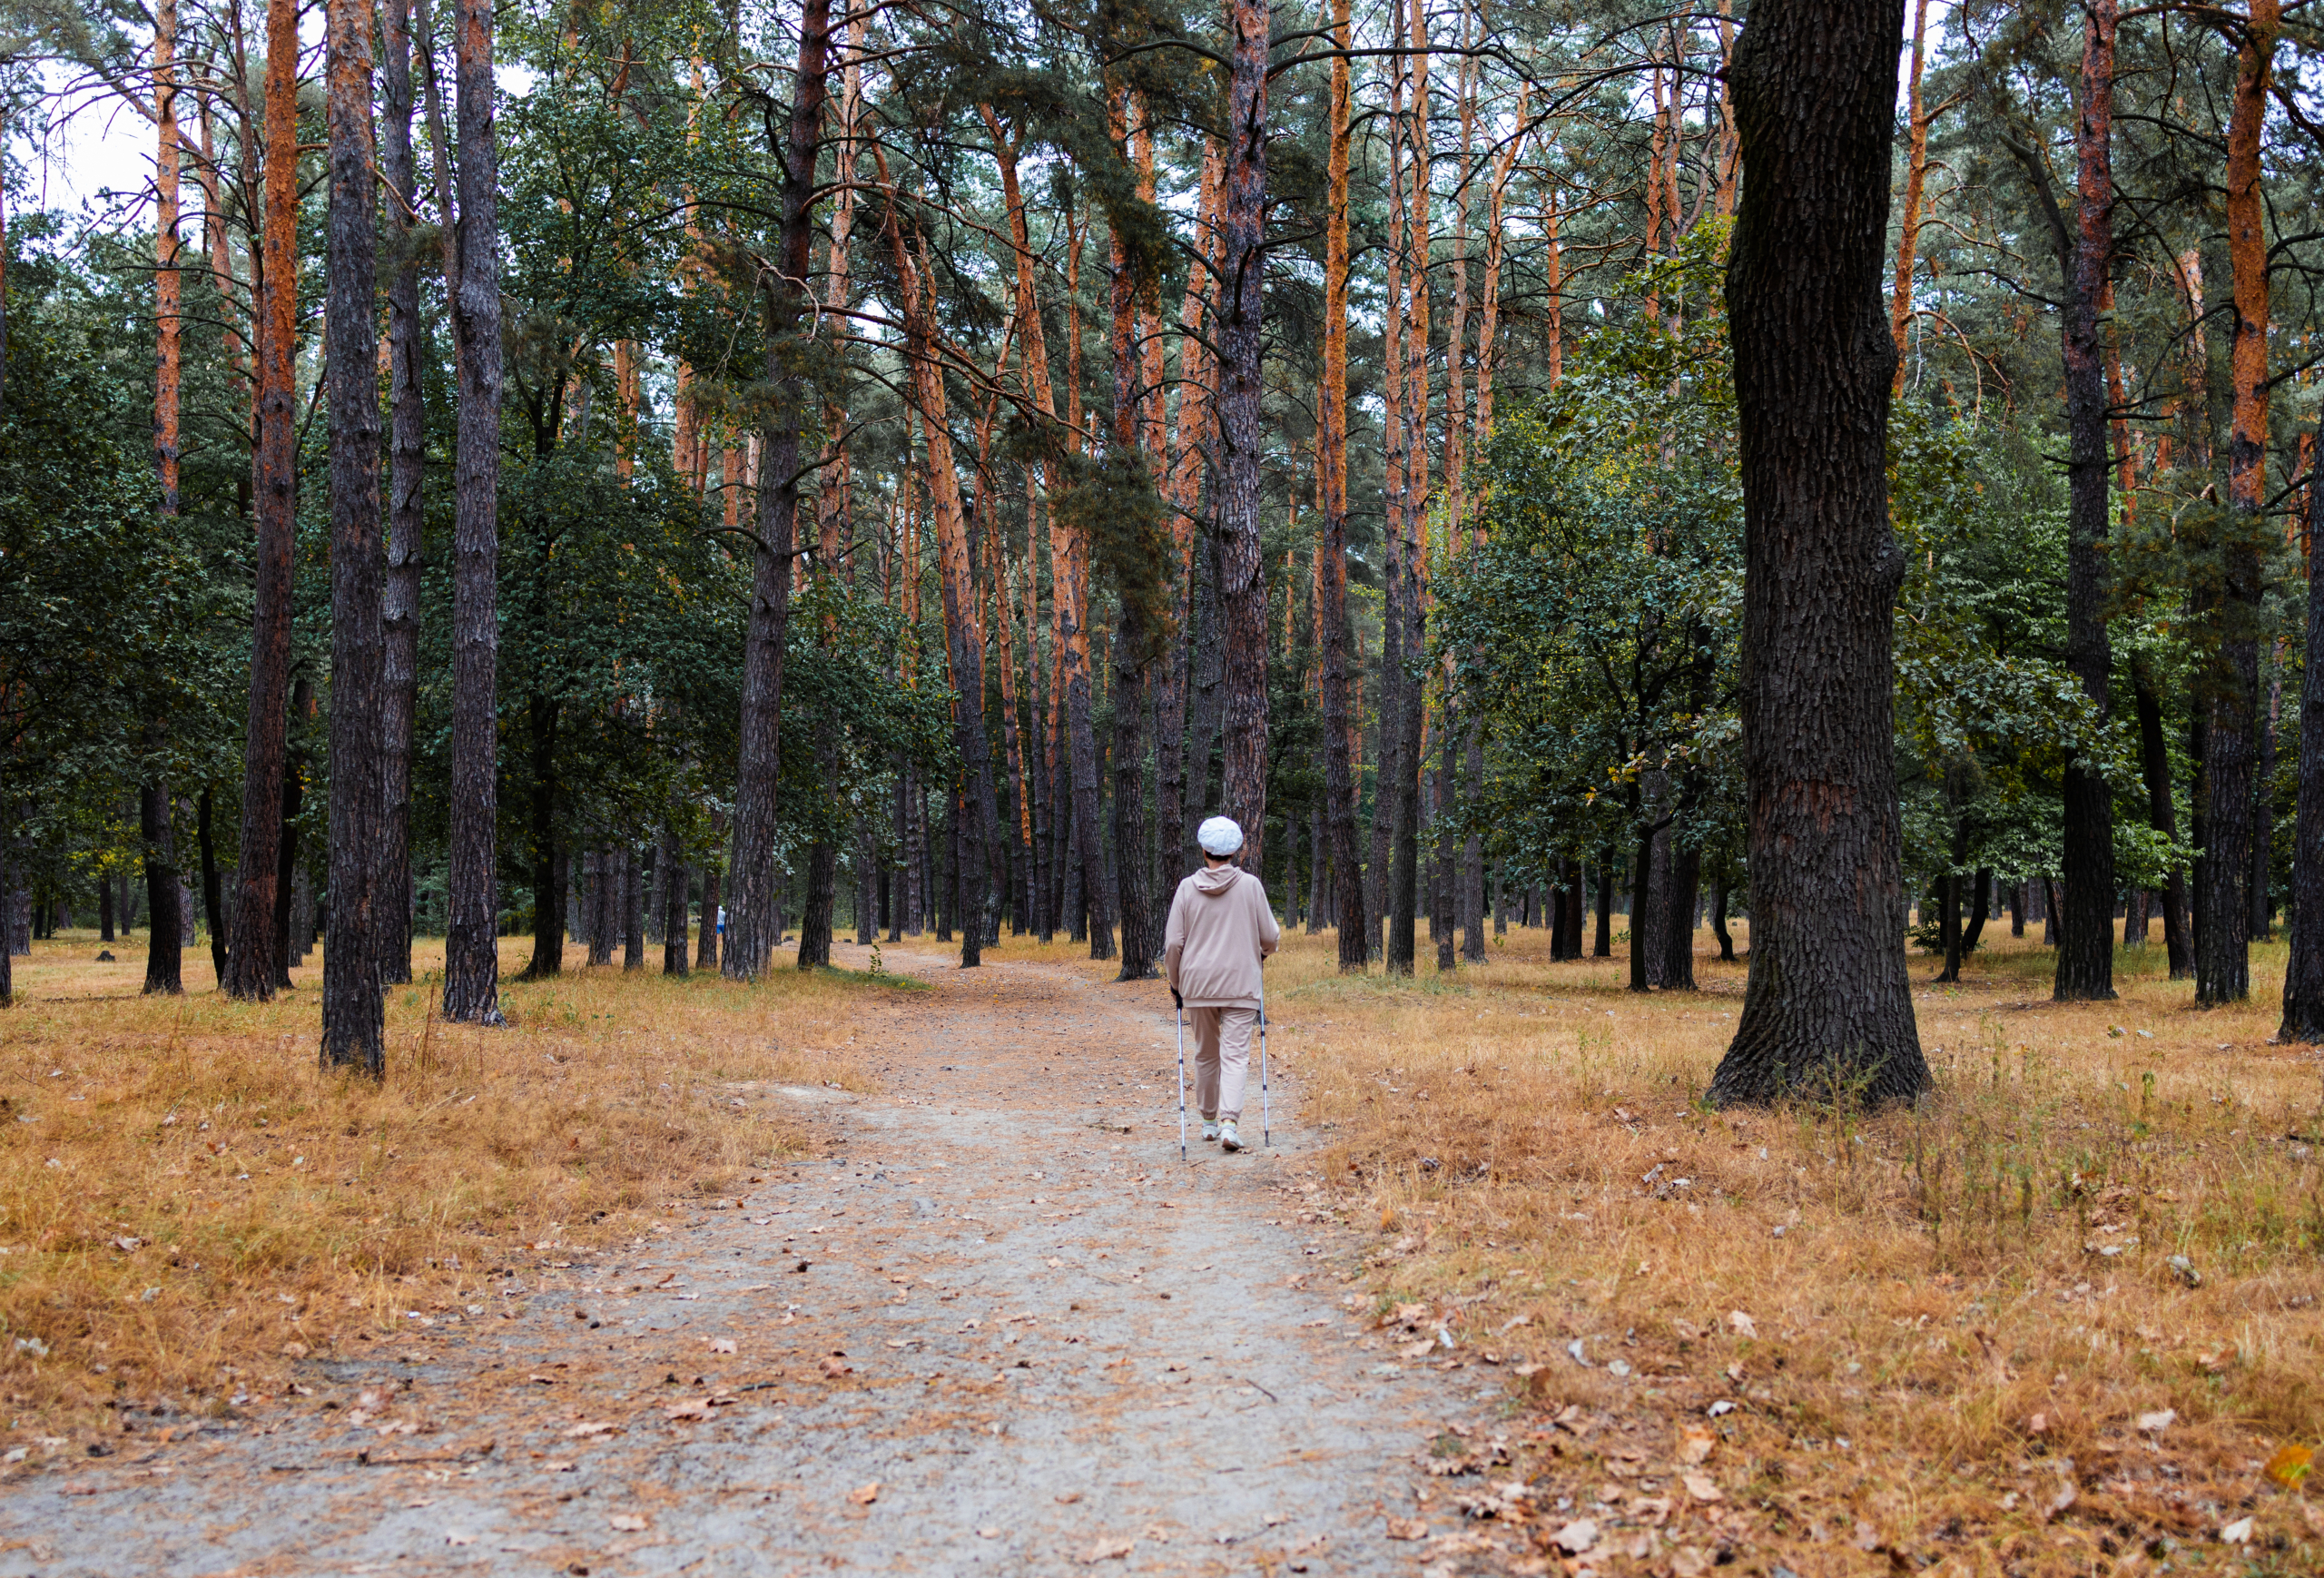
{"points": [[1930, 1322], [187, 1201]]}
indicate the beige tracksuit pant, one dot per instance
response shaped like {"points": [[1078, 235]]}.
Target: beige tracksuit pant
{"points": [[1222, 1059]]}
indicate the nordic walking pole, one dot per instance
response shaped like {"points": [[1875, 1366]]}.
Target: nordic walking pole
{"points": [[1182, 1076], [1266, 1114]]}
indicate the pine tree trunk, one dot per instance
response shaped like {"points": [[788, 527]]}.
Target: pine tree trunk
{"points": [[472, 949], [407, 455], [2086, 930], [1242, 568], [250, 971], [354, 1021], [2223, 903], [1828, 1005], [757, 894]]}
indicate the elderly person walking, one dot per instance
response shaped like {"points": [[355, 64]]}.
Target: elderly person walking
{"points": [[1220, 931]]}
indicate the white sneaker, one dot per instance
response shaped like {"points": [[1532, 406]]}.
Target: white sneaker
{"points": [[1227, 1139], [1210, 1129]]}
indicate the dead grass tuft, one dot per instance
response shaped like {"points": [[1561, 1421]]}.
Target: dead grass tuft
{"points": [[187, 1202]]}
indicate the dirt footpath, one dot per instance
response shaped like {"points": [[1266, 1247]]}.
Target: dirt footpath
{"points": [[997, 1329]]}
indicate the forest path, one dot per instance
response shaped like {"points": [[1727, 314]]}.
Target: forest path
{"points": [[997, 1295]]}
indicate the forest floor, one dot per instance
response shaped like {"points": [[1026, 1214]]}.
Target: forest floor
{"points": [[902, 1272]]}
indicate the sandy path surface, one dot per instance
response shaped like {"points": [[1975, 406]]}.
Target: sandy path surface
{"points": [[996, 1327]]}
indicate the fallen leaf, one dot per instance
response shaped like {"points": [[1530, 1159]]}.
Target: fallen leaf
{"points": [[722, 1345], [2155, 1423], [1053, 1262], [2237, 1533], [583, 1431], [2290, 1464], [837, 1367], [1107, 1551], [987, 1533], [1068, 1498], [863, 1495], [1743, 1324], [453, 1538], [1161, 1537], [1700, 1486], [1691, 1562], [1577, 1536], [1695, 1445], [628, 1523], [2068, 1494], [1408, 1529], [692, 1408]]}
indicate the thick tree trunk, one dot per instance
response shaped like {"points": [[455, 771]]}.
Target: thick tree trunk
{"points": [[756, 895], [1601, 946], [1828, 1005], [2086, 930], [249, 954], [471, 944], [2222, 901], [354, 1022], [1242, 577], [407, 455]]}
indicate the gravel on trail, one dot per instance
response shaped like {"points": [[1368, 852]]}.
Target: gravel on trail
{"points": [[997, 1327]]}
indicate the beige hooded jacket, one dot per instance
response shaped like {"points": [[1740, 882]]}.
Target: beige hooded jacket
{"points": [[1220, 928]]}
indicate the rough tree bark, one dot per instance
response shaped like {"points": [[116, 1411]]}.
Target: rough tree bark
{"points": [[408, 454], [163, 963], [2223, 902], [755, 895], [471, 951], [1243, 590], [1330, 583], [2086, 929], [249, 970], [1828, 1006], [354, 1023]]}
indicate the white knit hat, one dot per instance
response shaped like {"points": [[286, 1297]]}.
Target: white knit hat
{"points": [[1220, 835]]}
